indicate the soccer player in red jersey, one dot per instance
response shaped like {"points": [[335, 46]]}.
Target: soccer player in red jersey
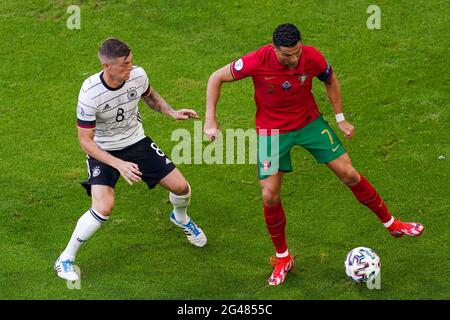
{"points": [[287, 115]]}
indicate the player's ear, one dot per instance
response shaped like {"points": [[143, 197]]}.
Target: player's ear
{"points": [[106, 66]]}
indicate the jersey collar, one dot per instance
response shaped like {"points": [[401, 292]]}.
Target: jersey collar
{"points": [[108, 87]]}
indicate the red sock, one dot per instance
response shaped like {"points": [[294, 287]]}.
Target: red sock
{"points": [[276, 225], [368, 196]]}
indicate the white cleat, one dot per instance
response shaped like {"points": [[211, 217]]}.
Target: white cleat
{"points": [[194, 234], [65, 270]]}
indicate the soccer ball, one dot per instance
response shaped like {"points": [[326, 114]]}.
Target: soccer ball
{"points": [[362, 264]]}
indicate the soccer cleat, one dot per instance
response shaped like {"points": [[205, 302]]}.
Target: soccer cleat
{"points": [[399, 229], [282, 267], [194, 234], [65, 270]]}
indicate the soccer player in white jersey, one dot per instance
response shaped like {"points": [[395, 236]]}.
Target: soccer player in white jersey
{"points": [[110, 132]]}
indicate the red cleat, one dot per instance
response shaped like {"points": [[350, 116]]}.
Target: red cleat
{"points": [[399, 229], [282, 267]]}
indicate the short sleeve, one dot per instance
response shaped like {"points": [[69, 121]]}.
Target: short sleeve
{"points": [[146, 83], [323, 69], [85, 112], [244, 66]]}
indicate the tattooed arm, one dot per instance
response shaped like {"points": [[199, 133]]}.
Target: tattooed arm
{"points": [[157, 103]]}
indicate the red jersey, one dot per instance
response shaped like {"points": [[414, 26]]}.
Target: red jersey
{"points": [[283, 97]]}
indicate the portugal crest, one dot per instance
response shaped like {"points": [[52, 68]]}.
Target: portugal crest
{"points": [[302, 78], [266, 165]]}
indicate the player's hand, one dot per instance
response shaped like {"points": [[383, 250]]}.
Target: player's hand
{"points": [[347, 129], [211, 130], [184, 114], [129, 171]]}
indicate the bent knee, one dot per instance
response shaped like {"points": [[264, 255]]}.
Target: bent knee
{"points": [[349, 176], [105, 207], [270, 197], [180, 189]]}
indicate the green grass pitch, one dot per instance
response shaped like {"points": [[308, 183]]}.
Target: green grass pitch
{"points": [[395, 85]]}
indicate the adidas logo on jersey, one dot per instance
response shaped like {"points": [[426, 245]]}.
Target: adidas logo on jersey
{"points": [[168, 161], [107, 107]]}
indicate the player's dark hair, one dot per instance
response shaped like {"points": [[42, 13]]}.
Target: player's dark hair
{"points": [[113, 48], [286, 35]]}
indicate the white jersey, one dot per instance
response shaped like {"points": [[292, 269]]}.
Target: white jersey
{"points": [[113, 112]]}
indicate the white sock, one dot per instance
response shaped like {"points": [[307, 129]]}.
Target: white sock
{"points": [[282, 255], [181, 214], [87, 225], [180, 204], [389, 223]]}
